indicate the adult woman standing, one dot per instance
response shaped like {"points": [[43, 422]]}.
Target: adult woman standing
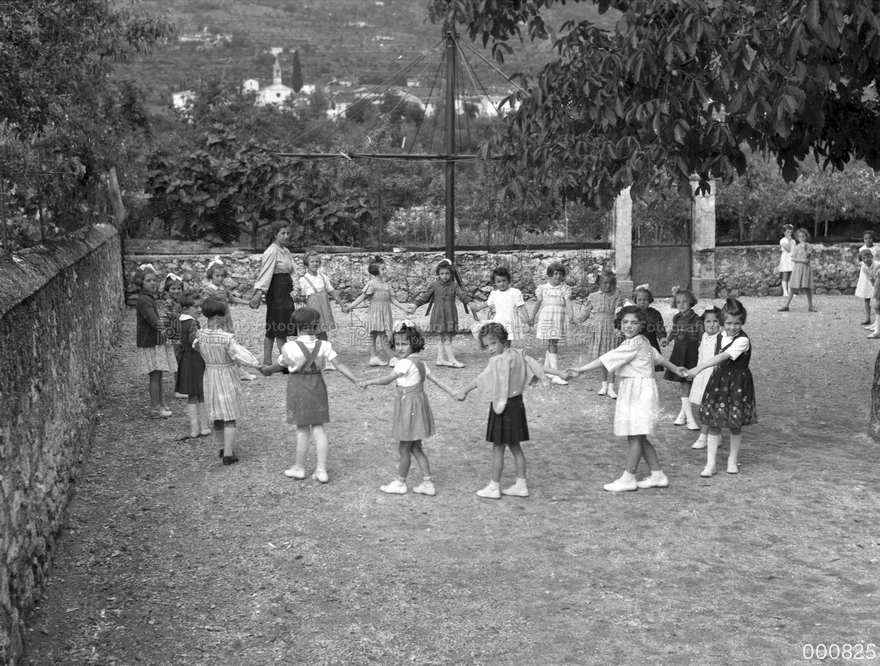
{"points": [[276, 282]]}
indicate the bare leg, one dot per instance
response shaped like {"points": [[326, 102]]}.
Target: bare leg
{"points": [[383, 339], [497, 462], [867, 311], [403, 450], [649, 453], [156, 389], [787, 301], [218, 434], [421, 458], [373, 336], [809, 299], [519, 458], [302, 445], [322, 445], [634, 452]]}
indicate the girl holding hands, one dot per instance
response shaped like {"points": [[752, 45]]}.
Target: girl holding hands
{"points": [[602, 336], [685, 335], [638, 403], [553, 315], [413, 420]]}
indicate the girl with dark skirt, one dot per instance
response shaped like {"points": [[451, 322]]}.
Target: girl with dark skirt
{"points": [[307, 407], [685, 335], [190, 380], [505, 378], [276, 283]]}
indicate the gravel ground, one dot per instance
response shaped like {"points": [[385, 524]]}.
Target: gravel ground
{"points": [[170, 558]]}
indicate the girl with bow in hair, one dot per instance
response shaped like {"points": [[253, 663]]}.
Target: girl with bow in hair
{"points": [[444, 313]]}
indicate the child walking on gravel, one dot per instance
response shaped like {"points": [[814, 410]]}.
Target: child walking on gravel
{"points": [[729, 398], [638, 403], [307, 407], [413, 420], [505, 378]]}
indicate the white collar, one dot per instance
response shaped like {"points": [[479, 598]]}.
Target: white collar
{"points": [[305, 338], [186, 317]]}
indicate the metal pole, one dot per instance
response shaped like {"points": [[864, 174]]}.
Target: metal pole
{"points": [[6, 245], [450, 145]]}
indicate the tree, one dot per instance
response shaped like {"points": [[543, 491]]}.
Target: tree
{"points": [[296, 78], [678, 87]]}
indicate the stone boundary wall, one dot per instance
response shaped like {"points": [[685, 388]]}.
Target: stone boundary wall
{"points": [[751, 270], [59, 314], [409, 273]]}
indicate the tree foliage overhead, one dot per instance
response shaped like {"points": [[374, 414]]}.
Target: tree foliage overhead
{"points": [[679, 87]]}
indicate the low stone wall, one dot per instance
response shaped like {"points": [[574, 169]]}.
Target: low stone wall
{"points": [[409, 273], [59, 311], [752, 270]]}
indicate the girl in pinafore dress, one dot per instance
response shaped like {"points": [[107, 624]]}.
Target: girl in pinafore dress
{"points": [[315, 287], [602, 336], [223, 393], [711, 318], [553, 315], [190, 380], [379, 322], [154, 356], [638, 403], [444, 311], [413, 420], [687, 329], [802, 273], [503, 381], [307, 406], [729, 398]]}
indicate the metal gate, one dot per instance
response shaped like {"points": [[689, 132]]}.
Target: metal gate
{"points": [[661, 250]]}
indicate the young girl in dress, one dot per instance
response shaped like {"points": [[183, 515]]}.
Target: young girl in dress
{"points": [[223, 357], [729, 398], [173, 288], [153, 356], [638, 404], [655, 329], [602, 337], [315, 287], [786, 245], [307, 407], [190, 381], [413, 420], [506, 305], [553, 315], [444, 311], [687, 329], [711, 325], [802, 273], [216, 273], [865, 285], [505, 378], [379, 319]]}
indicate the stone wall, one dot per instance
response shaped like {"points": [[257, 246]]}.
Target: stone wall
{"points": [[59, 311], [409, 273], [751, 270]]}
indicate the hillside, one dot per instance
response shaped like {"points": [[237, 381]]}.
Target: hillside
{"points": [[365, 42]]}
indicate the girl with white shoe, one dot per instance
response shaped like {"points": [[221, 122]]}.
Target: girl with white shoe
{"points": [[729, 398], [638, 403], [553, 315], [379, 322], [505, 378], [413, 420], [685, 334], [307, 407], [712, 325], [444, 310], [786, 245], [602, 336]]}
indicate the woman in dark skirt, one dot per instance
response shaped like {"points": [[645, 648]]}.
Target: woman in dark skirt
{"points": [[504, 379], [276, 282]]}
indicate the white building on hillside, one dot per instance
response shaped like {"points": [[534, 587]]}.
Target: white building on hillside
{"points": [[277, 93]]}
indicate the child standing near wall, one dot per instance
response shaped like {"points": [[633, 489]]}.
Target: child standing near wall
{"points": [[190, 380], [786, 245], [802, 273], [153, 356], [865, 285], [316, 288], [602, 336], [553, 315], [506, 305]]}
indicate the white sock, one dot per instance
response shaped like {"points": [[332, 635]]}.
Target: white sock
{"points": [[657, 474], [493, 485], [712, 444], [687, 410], [627, 476], [520, 482]]}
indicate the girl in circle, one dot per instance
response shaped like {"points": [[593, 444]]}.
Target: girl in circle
{"points": [[729, 398], [655, 329], [602, 336], [638, 403], [711, 318], [444, 312], [553, 314], [276, 282], [316, 288], [216, 273], [507, 306], [687, 329], [786, 245], [802, 273], [413, 420], [380, 321]]}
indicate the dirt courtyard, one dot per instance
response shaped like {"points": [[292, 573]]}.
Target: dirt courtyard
{"points": [[169, 557]]}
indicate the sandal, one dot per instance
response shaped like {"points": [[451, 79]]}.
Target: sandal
{"points": [[456, 364]]}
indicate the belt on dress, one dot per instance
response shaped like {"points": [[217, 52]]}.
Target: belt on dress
{"points": [[218, 365]]}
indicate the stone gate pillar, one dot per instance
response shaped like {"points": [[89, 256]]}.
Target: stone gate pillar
{"points": [[621, 242], [703, 241]]}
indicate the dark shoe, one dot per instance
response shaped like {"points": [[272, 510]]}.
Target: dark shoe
{"points": [[230, 460], [783, 309], [867, 322], [221, 453]]}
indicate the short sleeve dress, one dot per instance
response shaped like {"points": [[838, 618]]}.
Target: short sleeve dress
{"points": [[224, 396], [706, 351], [506, 305], [786, 245], [601, 336], [729, 398], [379, 316], [552, 321], [413, 419], [638, 401], [316, 289], [802, 273]]}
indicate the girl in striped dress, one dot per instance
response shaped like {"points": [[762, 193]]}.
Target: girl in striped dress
{"points": [[553, 314], [635, 416], [223, 393], [379, 319], [601, 336], [413, 420]]}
